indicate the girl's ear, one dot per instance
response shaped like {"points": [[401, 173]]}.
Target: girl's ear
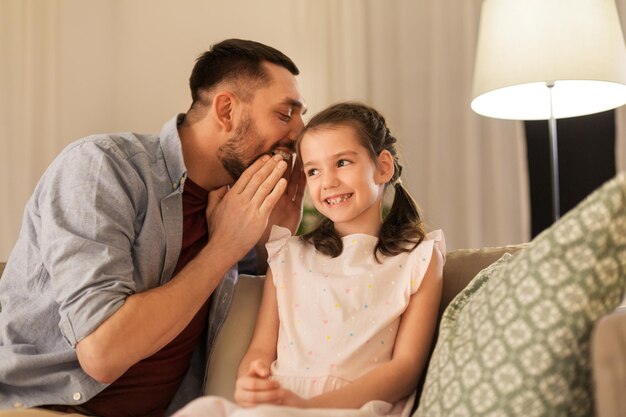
{"points": [[385, 168], [224, 104]]}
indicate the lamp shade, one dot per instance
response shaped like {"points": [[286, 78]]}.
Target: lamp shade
{"points": [[576, 45]]}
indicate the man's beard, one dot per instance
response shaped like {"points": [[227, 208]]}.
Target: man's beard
{"points": [[240, 151]]}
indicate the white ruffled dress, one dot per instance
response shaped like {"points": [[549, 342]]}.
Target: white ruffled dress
{"points": [[338, 319]]}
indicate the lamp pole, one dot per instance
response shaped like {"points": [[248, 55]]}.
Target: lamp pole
{"points": [[554, 157]]}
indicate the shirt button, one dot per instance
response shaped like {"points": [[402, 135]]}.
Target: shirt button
{"points": [[77, 396], [18, 405]]}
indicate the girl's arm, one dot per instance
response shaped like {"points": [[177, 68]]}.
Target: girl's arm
{"points": [[397, 378], [253, 386]]}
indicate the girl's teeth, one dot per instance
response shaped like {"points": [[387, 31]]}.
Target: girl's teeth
{"points": [[337, 200]]}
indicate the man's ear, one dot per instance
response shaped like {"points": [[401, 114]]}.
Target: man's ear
{"points": [[224, 104], [385, 168]]}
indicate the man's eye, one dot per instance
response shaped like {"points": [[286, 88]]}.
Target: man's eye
{"points": [[284, 117]]}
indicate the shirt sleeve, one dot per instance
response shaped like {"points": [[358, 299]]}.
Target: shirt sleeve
{"points": [[87, 206], [422, 256], [279, 236]]}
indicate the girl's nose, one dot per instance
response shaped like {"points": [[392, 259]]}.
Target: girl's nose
{"points": [[330, 181]]}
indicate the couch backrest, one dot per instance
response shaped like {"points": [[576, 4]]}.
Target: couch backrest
{"points": [[463, 264]]}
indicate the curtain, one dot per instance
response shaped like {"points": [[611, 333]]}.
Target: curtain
{"points": [[72, 68], [413, 60], [28, 105]]}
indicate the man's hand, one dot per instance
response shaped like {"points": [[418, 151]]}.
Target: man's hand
{"points": [[287, 212], [238, 217], [141, 327]]}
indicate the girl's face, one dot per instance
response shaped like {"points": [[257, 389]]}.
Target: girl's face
{"points": [[345, 184]]}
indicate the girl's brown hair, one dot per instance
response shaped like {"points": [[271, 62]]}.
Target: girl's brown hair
{"points": [[402, 230]]}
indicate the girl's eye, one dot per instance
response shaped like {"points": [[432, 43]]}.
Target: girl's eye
{"points": [[343, 162], [311, 172]]}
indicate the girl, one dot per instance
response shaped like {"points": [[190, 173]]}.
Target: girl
{"points": [[349, 309]]}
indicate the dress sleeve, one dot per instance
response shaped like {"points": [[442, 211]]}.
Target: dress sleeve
{"points": [[277, 242], [423, 254]]}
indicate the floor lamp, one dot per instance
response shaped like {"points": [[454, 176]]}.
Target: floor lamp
{"points": [[549, 59]]}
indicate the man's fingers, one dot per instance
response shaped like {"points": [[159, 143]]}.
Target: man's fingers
{"points": [[215, 197], [294, 179], [288, 172], [262, 187], [270, 201], [247, 175], [265, 178]]}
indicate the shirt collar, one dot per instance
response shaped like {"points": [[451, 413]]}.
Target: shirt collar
{"points": [[173, 152]]}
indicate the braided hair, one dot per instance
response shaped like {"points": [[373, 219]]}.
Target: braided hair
{"points": [[402, 230]]}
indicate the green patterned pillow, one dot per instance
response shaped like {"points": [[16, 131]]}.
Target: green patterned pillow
{"points": [[515, 341]]}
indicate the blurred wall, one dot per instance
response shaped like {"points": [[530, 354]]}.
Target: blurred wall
{"points": [[71, 68], [82, 67]]}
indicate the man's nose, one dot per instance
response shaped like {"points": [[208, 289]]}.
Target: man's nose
{"points": [[297, 127]]}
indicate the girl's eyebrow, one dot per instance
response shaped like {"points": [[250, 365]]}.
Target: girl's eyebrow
{"points": [[334, 156]]}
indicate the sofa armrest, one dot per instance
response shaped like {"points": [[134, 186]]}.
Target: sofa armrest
{"points": [[234, 337], [608, 358]]}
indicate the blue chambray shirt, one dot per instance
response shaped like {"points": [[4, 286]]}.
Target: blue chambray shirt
{"points": [[104, 222]]}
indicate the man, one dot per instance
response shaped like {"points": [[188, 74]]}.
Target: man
{"points": [[122, 273]]}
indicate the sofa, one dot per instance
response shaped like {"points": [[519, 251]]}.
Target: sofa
{"points": [[608, 342], [608, 339]]}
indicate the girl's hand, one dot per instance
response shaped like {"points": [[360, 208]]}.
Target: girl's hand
{"points": [[288, 398], [255, 388], [259, 368]]}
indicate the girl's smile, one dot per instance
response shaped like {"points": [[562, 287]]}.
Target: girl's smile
{"points": [[346, 185], [338, 199]]}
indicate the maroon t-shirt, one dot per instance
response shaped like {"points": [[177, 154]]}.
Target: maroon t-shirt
{"points": [[147, 387]]}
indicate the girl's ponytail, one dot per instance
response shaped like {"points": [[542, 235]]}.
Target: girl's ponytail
{"points": [[402, 229], [325, 238]]}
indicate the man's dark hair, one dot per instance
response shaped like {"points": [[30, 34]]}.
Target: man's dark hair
{"points": [[237, 60]]}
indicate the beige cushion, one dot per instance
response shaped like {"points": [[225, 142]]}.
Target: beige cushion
{"points": [[516, 340], [234, 337]]}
